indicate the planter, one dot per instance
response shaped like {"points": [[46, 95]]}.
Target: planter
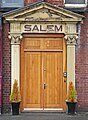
{"points": [[15, 108], [71, 107]]}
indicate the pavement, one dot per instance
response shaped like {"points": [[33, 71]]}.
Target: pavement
{"points": [[45, 116]]}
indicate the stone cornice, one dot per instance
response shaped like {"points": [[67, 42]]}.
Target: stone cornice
{"points": [[43, 10]]}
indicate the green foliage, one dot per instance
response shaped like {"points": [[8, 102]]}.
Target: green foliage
{"points": [[72, 94], [15, 94]]}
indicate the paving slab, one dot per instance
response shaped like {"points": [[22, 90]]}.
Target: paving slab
{"points": [[45, 116]]}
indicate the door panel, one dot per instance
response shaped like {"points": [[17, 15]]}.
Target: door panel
{"points": [[42, 70], [32, 80], [53, 79]]}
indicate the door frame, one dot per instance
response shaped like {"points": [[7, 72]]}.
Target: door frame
{"points": [[64, 64]]}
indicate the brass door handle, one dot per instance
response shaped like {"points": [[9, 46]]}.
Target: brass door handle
{"points": [[45, 85]]}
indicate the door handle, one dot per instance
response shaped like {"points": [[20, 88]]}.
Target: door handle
{"points": [[45, 85], [65, 81]]}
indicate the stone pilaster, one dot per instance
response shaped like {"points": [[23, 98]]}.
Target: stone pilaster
{"points": [[71, 42], [15, 57]]}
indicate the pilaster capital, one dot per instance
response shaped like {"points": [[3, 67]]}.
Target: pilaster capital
{"points": [[71, 39], [15, 38]]}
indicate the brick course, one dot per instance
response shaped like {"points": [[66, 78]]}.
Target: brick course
{"points": [[82, 66], [0, 68], [6, 69], [55, 2]]}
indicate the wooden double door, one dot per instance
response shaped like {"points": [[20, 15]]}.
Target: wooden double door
{"points": [[42, 85]]}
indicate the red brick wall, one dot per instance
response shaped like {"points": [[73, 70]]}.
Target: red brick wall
{"points": [[0, 66], [26, 2], [81, 63], [6, 69], [55, 2], [82, 66]]}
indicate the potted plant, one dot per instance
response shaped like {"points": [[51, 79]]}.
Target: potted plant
{"points": [[71, 98], [15, 98]]}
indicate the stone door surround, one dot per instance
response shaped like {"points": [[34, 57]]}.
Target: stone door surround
{"points": [[44, 18]]}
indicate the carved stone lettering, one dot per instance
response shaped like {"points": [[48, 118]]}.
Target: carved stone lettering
{"points": [[50, 27], [43, 28], [35, 28], [58, 28], [27, 27]]}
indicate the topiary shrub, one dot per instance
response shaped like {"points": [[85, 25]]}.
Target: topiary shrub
{"points": [[15, 94], [72, 94]]}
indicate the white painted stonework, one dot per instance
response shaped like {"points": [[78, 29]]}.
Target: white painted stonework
{"points": [[42, 28], [43, 14], [15, 63], [15, 57], [71, 42]]}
